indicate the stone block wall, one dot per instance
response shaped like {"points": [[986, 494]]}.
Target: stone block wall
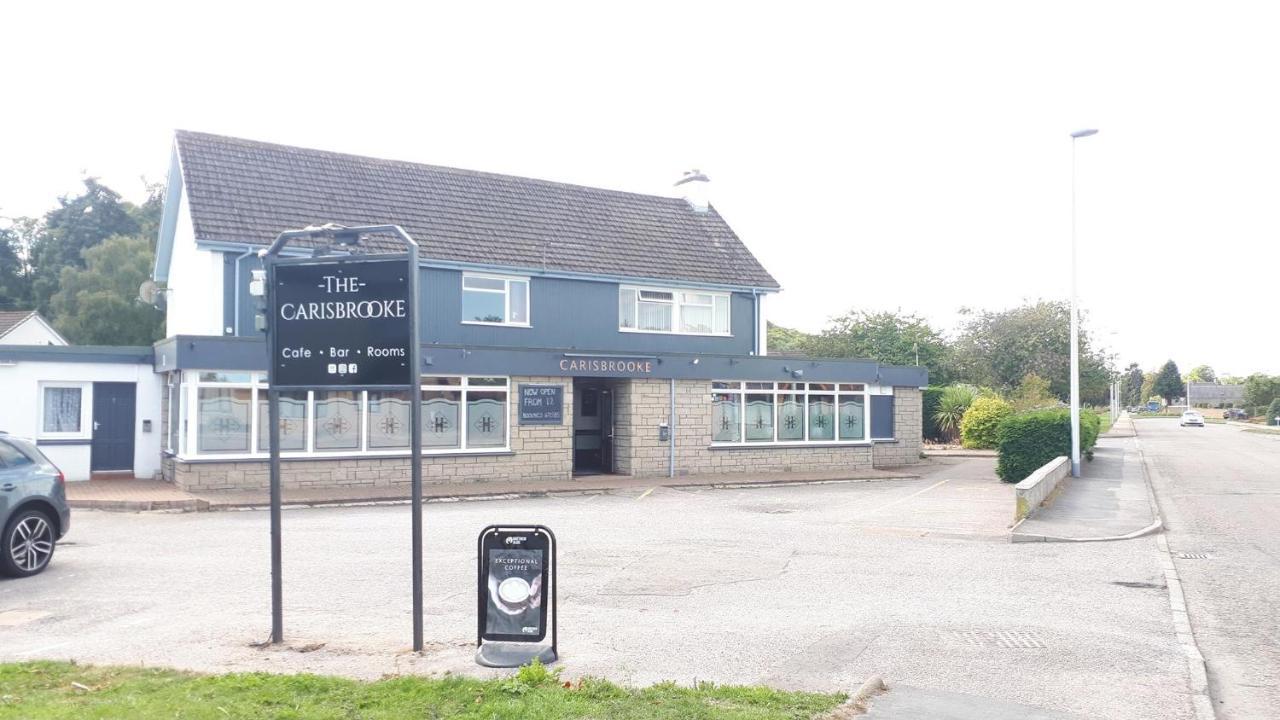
{"points": [[538, 452], [908, 430], [642, 405]]}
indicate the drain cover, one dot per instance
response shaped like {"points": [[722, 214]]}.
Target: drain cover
{"points": [[1020, 639], [1193, 556]]}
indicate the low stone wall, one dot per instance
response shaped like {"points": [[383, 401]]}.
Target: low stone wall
{"points": [[1038, 486]]}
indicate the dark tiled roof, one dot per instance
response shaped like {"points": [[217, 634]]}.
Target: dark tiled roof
{"points": [[9, 319], [246, 191]]}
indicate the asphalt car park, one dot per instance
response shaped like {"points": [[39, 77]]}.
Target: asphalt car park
{"points": [[813, 587]]}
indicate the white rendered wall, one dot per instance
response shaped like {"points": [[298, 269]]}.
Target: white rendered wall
{"points": [[32, 331], [20, 384], [195, 283]]}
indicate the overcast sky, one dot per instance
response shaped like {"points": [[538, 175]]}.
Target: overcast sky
{"points": [[909, 156]]}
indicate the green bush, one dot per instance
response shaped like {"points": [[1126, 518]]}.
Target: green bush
{"points": [[1273, 411], [929, 404], [980, 427], [1031, 439]]}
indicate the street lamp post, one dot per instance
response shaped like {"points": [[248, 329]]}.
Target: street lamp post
{"points": [[1075, 317]]}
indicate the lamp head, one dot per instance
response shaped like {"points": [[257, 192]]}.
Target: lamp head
{"points": [[1083, 133]]}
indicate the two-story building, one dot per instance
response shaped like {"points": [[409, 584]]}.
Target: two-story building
{"points": [[647, 312]]}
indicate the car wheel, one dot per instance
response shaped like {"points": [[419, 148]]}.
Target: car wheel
{"points": [[27, 545]]}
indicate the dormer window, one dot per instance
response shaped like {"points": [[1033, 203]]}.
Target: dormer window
{"points": [[665, 310], [495, 300]]}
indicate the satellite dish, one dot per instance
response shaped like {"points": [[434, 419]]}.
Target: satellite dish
{"points": [[147, 292]]}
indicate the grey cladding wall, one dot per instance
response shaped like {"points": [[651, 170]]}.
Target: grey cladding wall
{"points": [[569, 314], [564, 314]]}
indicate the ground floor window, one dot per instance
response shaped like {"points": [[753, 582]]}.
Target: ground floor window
{"points": [[788, 412], [232, 417], [62, 409]]}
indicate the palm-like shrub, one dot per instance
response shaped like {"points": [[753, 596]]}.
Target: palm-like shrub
{"points": [[955, 400]]}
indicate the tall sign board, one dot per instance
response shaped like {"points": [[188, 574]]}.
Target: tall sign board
{"points": [[343, 323]]}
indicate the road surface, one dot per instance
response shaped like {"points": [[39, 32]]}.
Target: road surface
{"points": [[1218, 488]]}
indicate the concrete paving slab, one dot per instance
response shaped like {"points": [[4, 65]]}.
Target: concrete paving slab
{"points": [[135, 495], [1110, 500]]}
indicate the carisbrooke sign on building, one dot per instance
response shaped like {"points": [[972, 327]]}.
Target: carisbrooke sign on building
{"points": [[342, 324], [620, 366]]}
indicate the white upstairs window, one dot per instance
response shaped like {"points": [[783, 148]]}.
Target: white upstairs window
{"points": [[660, 310], [495, 300]]}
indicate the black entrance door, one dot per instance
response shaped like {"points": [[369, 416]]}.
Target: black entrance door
{"points": [[592, 427], [113, 418]]}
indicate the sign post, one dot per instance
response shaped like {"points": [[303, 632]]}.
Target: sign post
{"points": [[516, 592], [344, 322]]}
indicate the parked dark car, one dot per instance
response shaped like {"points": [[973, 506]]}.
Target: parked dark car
{"points": [[1234, 414], [33, 508]]}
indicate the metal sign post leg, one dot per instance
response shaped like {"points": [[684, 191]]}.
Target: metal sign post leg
{"points": [[415, 444], [277, 585]]}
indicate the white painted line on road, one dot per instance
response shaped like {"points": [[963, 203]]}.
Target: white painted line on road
{"points": [[891, 503]]}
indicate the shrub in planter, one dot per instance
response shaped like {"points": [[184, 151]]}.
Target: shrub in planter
{"points": [[981, 424], [1031, 439]]}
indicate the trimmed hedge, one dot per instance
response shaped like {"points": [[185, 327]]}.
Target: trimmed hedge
{"points": [[980, 427], [929, 405], [1031, 439]]}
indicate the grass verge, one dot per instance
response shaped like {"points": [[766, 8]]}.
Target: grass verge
{"points": [[44, 690]]}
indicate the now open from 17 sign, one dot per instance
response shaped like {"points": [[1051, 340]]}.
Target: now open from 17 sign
{"points": [[342, 323]]}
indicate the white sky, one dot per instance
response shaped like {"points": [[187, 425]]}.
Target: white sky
{"points": [[908, 156]]}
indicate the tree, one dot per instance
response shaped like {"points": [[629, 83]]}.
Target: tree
{"points": [[66, 232], [1148, 386], [999, 349], [1202, 374], [1260, 389], [1032, 393], [98, 305], [783, 339], [1168, 384], [887, 337], [14, 293], [1131, 385]]}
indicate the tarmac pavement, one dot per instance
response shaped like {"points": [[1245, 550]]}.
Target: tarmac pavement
{"points": [[811, 587]]}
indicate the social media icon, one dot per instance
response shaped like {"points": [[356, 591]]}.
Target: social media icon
{"points": [[332, 368]]}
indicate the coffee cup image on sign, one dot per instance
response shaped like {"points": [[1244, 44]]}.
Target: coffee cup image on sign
{"points": [[515, 592]]}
